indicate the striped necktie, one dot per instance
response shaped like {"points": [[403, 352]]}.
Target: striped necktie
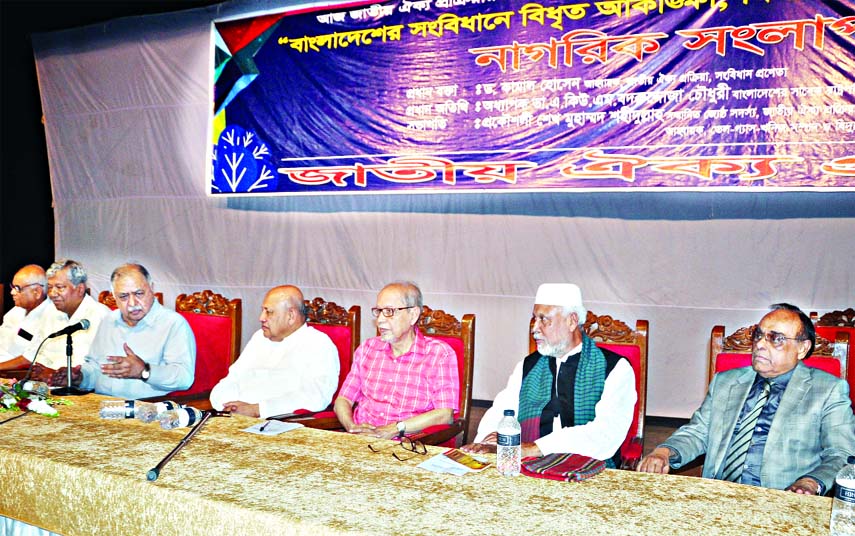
{"points": [[735, 459]]}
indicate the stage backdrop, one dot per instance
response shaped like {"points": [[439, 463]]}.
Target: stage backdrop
{"points": [[487, 95], [127, 108]]}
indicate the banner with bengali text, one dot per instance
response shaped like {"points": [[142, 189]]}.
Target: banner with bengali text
{"points": [[502, 95]]}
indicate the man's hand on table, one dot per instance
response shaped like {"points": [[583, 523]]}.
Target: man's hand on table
{"points": [[489, 444], [242, 408], [381, 432], [656, 462], [42, 373], [804, 486], [60, 377]]}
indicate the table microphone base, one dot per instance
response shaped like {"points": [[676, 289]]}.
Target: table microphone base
{"points": [[70, 391]]}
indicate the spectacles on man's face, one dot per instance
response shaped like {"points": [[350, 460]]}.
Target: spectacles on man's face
{"points": [[772, 337], [405, 443], [19, 288], [388, 312]]}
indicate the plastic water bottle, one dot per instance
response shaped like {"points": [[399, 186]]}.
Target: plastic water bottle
{"points": [[149, 412], [179, 417], [509, 448], [843, 508], [117, 409]]}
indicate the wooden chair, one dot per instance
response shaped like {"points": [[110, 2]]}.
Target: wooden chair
{"points": [[106, 297], [734, 351], [341, 326], [617, 336], [460, 335], [831, 325], [216, 324]]}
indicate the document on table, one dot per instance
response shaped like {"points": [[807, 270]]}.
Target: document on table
{"points": [[454, 461], [272, 428]]}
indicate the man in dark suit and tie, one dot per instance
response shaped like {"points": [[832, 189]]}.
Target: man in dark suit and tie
{"points": [[777, 424]]}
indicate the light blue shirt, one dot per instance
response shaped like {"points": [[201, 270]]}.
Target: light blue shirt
{"points": [[162, 338]]}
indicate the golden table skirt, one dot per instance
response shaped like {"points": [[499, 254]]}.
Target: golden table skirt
{"points": [[80, 475]]}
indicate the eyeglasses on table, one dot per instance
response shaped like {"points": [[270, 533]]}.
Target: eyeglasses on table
{"points": [[406, 443]]}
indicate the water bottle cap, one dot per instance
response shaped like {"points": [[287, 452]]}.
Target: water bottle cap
{"points": [[509, 413], [850, 460]]}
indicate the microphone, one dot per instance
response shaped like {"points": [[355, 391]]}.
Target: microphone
{"points": [[82, 325], [69, 390]]}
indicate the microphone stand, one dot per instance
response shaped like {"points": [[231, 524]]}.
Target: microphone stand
{"points": [[155, 472], [69, 390]]}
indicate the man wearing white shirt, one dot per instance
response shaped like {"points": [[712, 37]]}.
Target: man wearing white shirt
{"points": [[67, 290], [286, 365], [141, 350], [22, 329], [570, 396]]}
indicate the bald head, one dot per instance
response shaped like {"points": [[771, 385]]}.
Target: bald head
{"points": [[282, 312], [408, 291], [290, 294], [29, 287]]}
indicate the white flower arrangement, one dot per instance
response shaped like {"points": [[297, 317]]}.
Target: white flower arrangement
{"points": [[16, 398]]}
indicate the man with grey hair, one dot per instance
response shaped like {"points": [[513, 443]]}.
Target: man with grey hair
{"points": [[67, 290], [400, 381], [570, 396], [286, 365], [23, 326], [141, 350]]}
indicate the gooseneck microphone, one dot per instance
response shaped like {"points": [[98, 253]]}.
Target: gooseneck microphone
{"points": [[73, 328], [82, 325]]}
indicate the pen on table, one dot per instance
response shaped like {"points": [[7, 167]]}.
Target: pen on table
{"points": [[263, 426]]}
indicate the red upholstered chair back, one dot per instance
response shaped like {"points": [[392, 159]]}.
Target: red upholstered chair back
{"points": [[460, 335], [618, 337], [734, 351], [216, 324], [839, 327], [341, 326], [106, 297]]}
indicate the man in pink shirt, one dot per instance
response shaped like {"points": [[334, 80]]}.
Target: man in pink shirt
{"points": [[401, 381]]}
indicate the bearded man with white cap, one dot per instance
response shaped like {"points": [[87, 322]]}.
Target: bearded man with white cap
{"points": [[570, 396]]}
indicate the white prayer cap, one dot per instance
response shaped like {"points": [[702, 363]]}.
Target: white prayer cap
{"points": [[566, 295]]}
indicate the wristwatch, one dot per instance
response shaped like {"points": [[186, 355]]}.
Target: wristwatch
{"points": [[402, 428], [146, 373]]}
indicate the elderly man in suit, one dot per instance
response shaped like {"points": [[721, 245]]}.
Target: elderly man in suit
{"points": [[777, 424]]}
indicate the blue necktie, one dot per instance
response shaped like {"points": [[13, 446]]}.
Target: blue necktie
{"points": [[735, 459]]}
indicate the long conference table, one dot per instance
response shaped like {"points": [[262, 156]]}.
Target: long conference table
{"points": [[80, 475]]}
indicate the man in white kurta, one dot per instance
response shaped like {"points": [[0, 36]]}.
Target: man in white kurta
{"points": [[558, 316], [22, 329], [287, 365], [67, 290]]}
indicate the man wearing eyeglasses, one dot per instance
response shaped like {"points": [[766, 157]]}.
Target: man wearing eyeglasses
{"points": [[777, 424], [23, 326], [401, 381], [141, 350], [570, 396], [286, 365]]}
